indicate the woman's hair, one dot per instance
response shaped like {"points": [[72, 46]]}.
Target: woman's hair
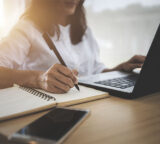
{"points": [[44, 15]]}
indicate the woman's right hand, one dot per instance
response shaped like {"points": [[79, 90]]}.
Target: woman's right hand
{"points": [[58, 79]]}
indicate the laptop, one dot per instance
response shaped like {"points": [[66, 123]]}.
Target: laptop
{"points": [[131, 85]]}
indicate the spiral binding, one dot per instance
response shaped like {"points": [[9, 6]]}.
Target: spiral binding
{"points": [[38, 93]]}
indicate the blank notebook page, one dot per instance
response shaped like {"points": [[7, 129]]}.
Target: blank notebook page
{"points": [[15, 101], [74, 96]]}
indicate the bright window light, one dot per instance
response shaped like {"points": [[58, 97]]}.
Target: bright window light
{"points": [[1, 14]]}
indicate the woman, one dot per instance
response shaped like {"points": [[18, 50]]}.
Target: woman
{"points": [[25, 58]]}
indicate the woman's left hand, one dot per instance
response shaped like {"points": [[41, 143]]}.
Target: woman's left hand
{"points": [[135, 62]]}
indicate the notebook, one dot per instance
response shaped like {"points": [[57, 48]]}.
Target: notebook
{"points": [[18, 101]]}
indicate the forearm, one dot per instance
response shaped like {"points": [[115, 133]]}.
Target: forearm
{"points": [[8, 77], [107, 70], [117, 68]]}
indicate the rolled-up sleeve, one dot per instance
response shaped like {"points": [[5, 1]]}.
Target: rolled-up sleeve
{"points": [[13, 49]]}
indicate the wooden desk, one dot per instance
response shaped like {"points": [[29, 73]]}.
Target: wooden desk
{"points": [[113, 121]]}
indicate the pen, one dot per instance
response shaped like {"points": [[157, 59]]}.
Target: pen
{"points": [[53, 47]]}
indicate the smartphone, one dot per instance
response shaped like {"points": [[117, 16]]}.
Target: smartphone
{"points": [[51, 128]]}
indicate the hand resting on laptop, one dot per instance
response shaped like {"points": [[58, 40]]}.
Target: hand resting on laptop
{"points": [[128, 66]]}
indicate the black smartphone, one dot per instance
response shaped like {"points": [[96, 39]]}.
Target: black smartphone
{"points": [[52, 128]]}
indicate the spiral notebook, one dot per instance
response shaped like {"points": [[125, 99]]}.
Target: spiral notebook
{"points": [[18, 101]]}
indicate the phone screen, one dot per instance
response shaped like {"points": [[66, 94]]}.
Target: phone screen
{"points": [[54, 125]]}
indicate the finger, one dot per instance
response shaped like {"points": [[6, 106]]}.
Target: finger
{"points": [[62, 78], [54, 89], [59, 85], [67, 72], [75, 72], [133, 66]]}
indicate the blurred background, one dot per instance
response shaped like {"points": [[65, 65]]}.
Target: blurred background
{"points": [[122, 28]]}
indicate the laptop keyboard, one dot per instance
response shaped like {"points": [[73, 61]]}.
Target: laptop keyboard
{"points": [[122, 83]]}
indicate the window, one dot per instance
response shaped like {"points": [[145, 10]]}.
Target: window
{"points": [[9, 14], [123, 28]]}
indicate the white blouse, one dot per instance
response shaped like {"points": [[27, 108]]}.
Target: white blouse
{"points": [[25, 49]]}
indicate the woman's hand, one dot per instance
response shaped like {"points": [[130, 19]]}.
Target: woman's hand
{"points": [[58, 79], [135, 62]]}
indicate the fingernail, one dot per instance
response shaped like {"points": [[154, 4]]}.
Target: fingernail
{"points": [[76, 82]]}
